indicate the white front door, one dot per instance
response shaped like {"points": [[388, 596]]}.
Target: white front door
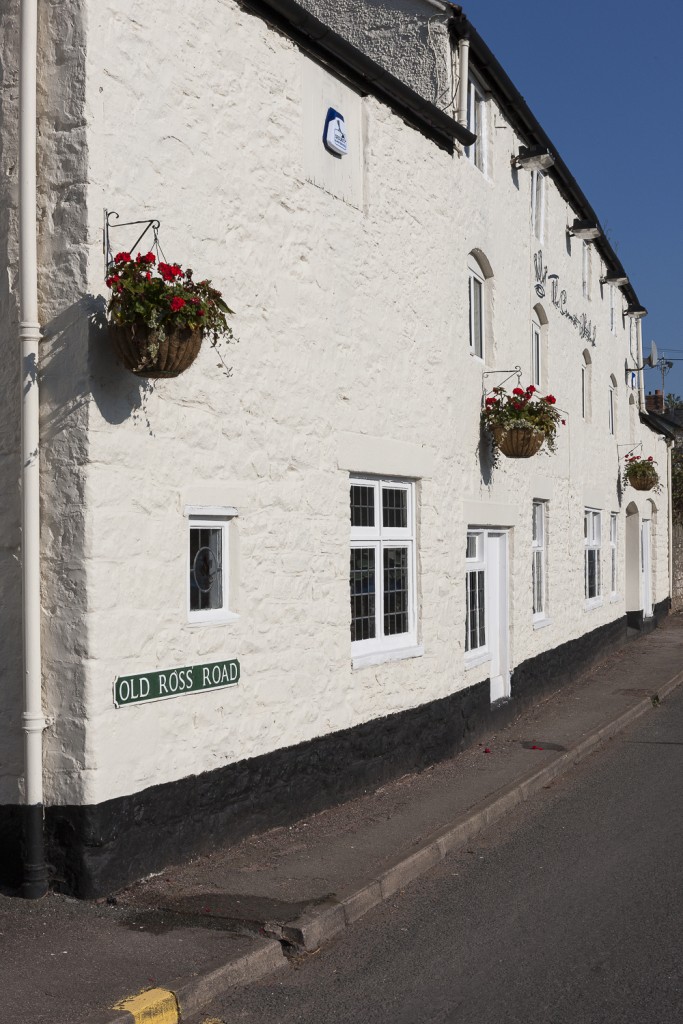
{"points": [[645, 569], [499, 615]]}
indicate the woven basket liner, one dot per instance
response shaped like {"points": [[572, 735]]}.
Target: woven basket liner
{"points": [[518, 442], [644, 484], [177, 349]]}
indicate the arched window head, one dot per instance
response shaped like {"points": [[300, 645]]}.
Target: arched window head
{"points": [[478, 273], [539, 346]]}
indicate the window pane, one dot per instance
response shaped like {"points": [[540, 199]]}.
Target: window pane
{"points": [[471, 546], [475, 628], [476, 316], [394, 507], [206, 568], [362, 505], [362, 580], [395, 591], [592, 579], [481, 600], [537, 572]]}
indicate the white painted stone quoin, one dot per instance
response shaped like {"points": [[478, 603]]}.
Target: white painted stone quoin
{"points": [[350, 291]]}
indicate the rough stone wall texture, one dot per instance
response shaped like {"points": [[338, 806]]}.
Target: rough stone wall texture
{"points": [[10, 538], [62, 255], [65, 309], [353, 328], [407, 37]]}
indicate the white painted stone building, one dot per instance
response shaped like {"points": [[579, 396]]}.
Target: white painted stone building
{"points": [[359, 370]]}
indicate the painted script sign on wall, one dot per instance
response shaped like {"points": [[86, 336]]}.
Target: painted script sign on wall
{"points": [[175, 681]]}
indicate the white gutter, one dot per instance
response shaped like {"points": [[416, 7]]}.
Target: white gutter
{"points": [[33, 721], [464, 77]]}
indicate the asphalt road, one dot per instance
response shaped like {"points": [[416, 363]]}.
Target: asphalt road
{"points": [[571, 910]]}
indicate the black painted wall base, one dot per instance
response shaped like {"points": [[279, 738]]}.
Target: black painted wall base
{"points": [[95, 850], [636, 620]]}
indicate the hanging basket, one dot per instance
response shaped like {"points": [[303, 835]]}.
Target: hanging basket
{"points": [[644, 483], [147, 353], [518, 442]]}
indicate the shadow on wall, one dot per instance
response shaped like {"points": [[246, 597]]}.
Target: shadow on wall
{"points": [[80, 367], [486, 456]]}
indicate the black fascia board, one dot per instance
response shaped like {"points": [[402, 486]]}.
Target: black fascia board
{"points": [[516, 109], [364, 74], [657, 422]]}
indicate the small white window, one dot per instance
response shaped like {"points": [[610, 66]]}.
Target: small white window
{"points": [[476, 285], [382, 565], [208, 580], [586, 269], [610, 410], [536, 354], [538, 203], [592, 546], [613, 553], [612, 310], [538, 561], [476, 122], [586, 386], [475, 593]]}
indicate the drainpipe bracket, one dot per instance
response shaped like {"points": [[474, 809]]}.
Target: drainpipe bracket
{"points": [[34, 723]]}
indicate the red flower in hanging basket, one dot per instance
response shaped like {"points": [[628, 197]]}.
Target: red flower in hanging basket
{"points": [[156, 312], [519, 423]]}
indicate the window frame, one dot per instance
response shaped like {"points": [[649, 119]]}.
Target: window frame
{"points": [[379, 538], [536, 354], [611, 416], [586, 267], [592, 543], [612, 310], [476, 564], [476, 122], [538, 204], [210, 519], [477, 277], [539, 554]]}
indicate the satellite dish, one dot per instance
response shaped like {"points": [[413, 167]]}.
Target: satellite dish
{"points": [[652, 358]]}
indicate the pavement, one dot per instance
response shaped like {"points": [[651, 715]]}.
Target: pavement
{"points": [[169, 945]]}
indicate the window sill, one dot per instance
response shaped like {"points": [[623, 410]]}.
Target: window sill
{"points": [[203, 623], [472, 661], [595, 602], [614, 598], [542, 623], [379, 657]]}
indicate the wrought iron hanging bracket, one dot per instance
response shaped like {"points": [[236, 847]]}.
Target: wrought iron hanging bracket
{"points": [[151, 224], [517, 372], [633, 449]]}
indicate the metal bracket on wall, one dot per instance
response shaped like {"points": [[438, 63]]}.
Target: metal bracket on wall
{"points": [[517, 372], [633, 449], [152, 225]]}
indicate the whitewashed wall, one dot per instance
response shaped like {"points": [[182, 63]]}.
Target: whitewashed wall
{"points": [[353, 355]]}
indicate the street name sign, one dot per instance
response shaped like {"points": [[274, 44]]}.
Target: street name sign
{"points": [[166, 683]]}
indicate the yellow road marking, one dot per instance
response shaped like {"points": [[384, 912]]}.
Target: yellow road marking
{"points": [[155, 1006]]}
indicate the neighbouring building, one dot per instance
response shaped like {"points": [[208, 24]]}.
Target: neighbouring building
{"points": [[379, 590]]}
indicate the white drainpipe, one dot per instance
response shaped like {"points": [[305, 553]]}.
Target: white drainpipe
{"points": [[464, 76], [33, 721]]}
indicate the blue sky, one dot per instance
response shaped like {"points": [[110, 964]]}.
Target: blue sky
{"points": [[604, 79]]}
